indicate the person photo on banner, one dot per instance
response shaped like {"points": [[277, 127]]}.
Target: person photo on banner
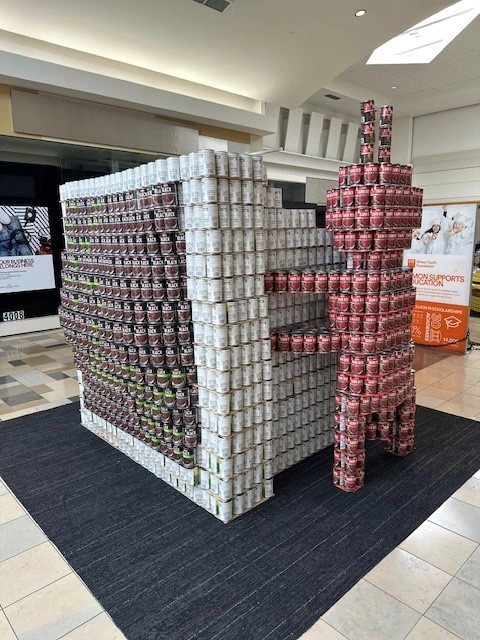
{"points": [[459, 236], [433, 239], [417, 245], [14, 240]]}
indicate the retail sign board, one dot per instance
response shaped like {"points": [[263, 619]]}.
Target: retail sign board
{"points": [[441, 257], [26, 262]]}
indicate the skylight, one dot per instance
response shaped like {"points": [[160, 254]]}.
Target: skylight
{"points": [[423, 42]]}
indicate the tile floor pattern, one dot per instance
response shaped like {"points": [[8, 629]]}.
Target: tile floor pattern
{"points": [[428, 588]]}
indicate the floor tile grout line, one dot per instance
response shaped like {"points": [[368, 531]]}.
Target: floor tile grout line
{"points": [[83, 623], [49, 584], [9, 623], [400, 601], [23, 550]]}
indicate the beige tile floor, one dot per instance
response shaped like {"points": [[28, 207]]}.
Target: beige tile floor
{"points": [[428, 588]]}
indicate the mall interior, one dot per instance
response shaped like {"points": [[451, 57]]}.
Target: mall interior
{"points": [[92, 89]]}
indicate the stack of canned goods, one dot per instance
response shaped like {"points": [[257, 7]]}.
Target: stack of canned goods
{"points": [[224, 196], [124, 307], [371, 214], [304, 364]]}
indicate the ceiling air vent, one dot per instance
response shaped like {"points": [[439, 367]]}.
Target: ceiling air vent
{"points": [[218, 5], [331, 96]]}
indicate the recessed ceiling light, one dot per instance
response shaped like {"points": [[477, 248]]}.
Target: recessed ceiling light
{"points": [[394, 86], [424, 41], [360, 13]]}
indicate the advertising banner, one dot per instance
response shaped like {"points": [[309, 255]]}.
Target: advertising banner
{"points": [[441, 256], [26, 262]]}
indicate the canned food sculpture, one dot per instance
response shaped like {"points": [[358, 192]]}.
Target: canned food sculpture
{"points": [[372, 214]]}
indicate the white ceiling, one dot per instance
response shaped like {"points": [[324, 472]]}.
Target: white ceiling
{"points": [[277, 51], [450, 80]]}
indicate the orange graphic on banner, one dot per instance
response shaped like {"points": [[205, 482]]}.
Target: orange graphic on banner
{"points": [[442, 325]]}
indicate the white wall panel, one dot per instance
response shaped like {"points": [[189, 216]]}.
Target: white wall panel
{"points": [[294, 135], [447, 131], [333, 142], [314, 134], [350, 143]]}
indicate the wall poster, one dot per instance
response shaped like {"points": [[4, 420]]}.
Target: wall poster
{"points": [[441, 255], [26, 262]]}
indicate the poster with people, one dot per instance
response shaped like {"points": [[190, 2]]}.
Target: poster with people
{"points": [[26, 262], [441, 255]]}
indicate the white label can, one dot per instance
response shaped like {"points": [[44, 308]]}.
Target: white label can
{"points": [[215, 290], [257, 393], [249, 456], [242, 310], [210, 214], [258, 434], [228, 289], [236, 356], [233, 334], [246, 350], [247, 215], [255, 337], [213, 241], [257, 372], [200, 355], [247, 375], [223, 403], [219, 313], [220, 336], [247, 191], [224, 447], [237, 240], [249, 263], [238, 264], [267, 371], [236, 378], [200, 266], [224, 425], [193, 165], [257, 474], [248, 396], [249, 240], [235, 192], [222, 381], [238, 442], [238, 504], [238, 287], [223, 191], [245, 333], [258, 193], [248, 480], [210, 357], [237, 401], [200, 241], [234, 165], [237, 421], [224, 216], [225, 489], [227, 265], [268, 469], [257, 167], [259, 285], [249, 286], [258, 216], [196, 191], [238, 463], [222, 359], [252, 306], [246, 166], [213, 266], [227, 241], [221, 163], [184, 168], [248, 437]]}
